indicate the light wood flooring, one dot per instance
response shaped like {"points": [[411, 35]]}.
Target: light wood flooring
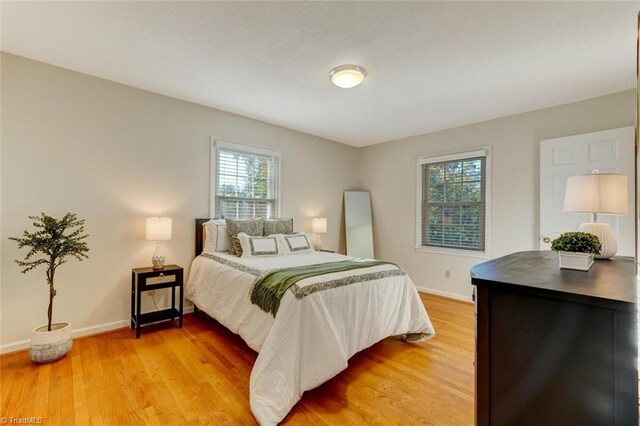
{"points": [[200, 375]]}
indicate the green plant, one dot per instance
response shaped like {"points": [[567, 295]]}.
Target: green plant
{"points": [[579, 242], [55, 247]]}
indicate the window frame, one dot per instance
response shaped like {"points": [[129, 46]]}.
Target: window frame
{"points": [[217, 145], [485, 152]]}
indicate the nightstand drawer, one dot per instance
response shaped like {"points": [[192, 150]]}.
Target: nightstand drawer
{"points": [[163, 279]]}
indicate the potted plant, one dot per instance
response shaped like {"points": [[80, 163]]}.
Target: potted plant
{"points": [[576, 250], [53, 243]]}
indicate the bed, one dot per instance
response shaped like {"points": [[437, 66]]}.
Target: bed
{"points": [[321, 321]]}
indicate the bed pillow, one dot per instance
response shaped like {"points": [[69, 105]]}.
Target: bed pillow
{"points": [[259, 246], [278, 226], [216, 238], [253, 227], [295, 243]]}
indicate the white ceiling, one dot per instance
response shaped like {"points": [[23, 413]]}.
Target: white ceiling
{"points": [[430, 65]]}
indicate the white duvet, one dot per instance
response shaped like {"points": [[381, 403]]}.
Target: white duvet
{"points": [[312, 337]]}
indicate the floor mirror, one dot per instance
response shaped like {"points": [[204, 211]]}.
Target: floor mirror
{"points": [[637, 163], [358, 224]]}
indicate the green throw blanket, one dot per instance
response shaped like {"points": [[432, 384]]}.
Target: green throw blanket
{"points": [[270, 287]]}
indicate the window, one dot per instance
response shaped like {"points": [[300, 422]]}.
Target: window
{"points": [[452, 200], [246, 182]]}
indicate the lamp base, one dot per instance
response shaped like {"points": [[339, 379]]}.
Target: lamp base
{"points": [[158, 257], [604, 232]]}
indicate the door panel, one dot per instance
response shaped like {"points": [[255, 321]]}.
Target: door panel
{"points": [[609, 151]]}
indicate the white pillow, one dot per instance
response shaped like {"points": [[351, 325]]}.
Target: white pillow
{"points": [[259, 246], [216, 237], [295, 243]]}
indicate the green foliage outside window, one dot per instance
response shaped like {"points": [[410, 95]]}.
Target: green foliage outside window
{"points": [[246, 185], [453, 204]]}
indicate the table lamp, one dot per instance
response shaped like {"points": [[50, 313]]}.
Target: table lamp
{"points": [[158, 230], [598, 193], [319, 226]]}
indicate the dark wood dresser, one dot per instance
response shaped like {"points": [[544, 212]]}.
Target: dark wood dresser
{"points": [[556, 346]]}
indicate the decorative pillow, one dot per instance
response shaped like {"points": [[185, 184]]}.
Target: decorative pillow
{"points": [[216, 238], [259, 246], [278, 226], [253, 227], [295, 243]]}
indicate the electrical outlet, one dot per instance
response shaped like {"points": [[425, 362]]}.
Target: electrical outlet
{"points": [[447, 274], [151, 293]]}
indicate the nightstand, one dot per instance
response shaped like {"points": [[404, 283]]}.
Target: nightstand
{"points": [[147, 279]]}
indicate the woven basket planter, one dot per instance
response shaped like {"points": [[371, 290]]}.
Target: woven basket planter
{"points": [[49, 346]]}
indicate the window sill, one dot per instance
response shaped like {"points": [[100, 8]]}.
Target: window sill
{"points": [[454, 252]]}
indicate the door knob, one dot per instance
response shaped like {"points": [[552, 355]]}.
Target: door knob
{"points": [[546, 240]]}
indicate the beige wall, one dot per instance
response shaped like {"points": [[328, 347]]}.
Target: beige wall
{"points": [[114, 155], [389, 171]]}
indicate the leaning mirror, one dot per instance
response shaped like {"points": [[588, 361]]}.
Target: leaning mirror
{"points": [[358, 225], [636, 211]]}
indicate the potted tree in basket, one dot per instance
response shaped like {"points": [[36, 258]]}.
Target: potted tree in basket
{"points": [[53, 243], [576, 250]]}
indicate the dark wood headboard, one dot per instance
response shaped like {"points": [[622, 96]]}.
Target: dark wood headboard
{"points": [[199, 236]]}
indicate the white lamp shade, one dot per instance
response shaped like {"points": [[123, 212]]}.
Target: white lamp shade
{"points": [[319, 225], [158, 228], [603, 193]]}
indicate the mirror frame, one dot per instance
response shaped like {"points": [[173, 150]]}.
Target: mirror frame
{"points": [[637, 142]]}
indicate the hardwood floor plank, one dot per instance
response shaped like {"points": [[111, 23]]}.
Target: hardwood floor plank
{"points": [[80, 407], [174, 393], [60, 392], [30, 395], [7, 382], [200, 375]]}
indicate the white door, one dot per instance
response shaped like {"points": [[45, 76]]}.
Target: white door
{"points": [[609, 151]]}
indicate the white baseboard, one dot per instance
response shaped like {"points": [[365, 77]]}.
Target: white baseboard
{"points": [[445, 294], [77, 333], [14, 347], [100, 328]]}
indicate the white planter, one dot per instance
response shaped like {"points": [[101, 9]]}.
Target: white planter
{"points": [[48, 346], [577, 261]]}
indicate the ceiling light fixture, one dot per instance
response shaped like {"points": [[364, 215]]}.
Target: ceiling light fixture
{"points": [[347, 76]]}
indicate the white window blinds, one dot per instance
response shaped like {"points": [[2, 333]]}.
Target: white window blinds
{"points": [[246, 182], [453, 201]]}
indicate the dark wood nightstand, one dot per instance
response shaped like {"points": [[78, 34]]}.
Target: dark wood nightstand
{"points": [[147, 279]]}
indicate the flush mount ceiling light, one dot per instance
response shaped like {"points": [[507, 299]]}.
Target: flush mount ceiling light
{"points": [[347, 76]]}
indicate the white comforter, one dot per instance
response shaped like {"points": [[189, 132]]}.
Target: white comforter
{"points": [[312, 337]]}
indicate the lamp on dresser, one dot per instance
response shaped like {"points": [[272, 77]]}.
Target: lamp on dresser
{"points": [[598, 193], [158, 230]]}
